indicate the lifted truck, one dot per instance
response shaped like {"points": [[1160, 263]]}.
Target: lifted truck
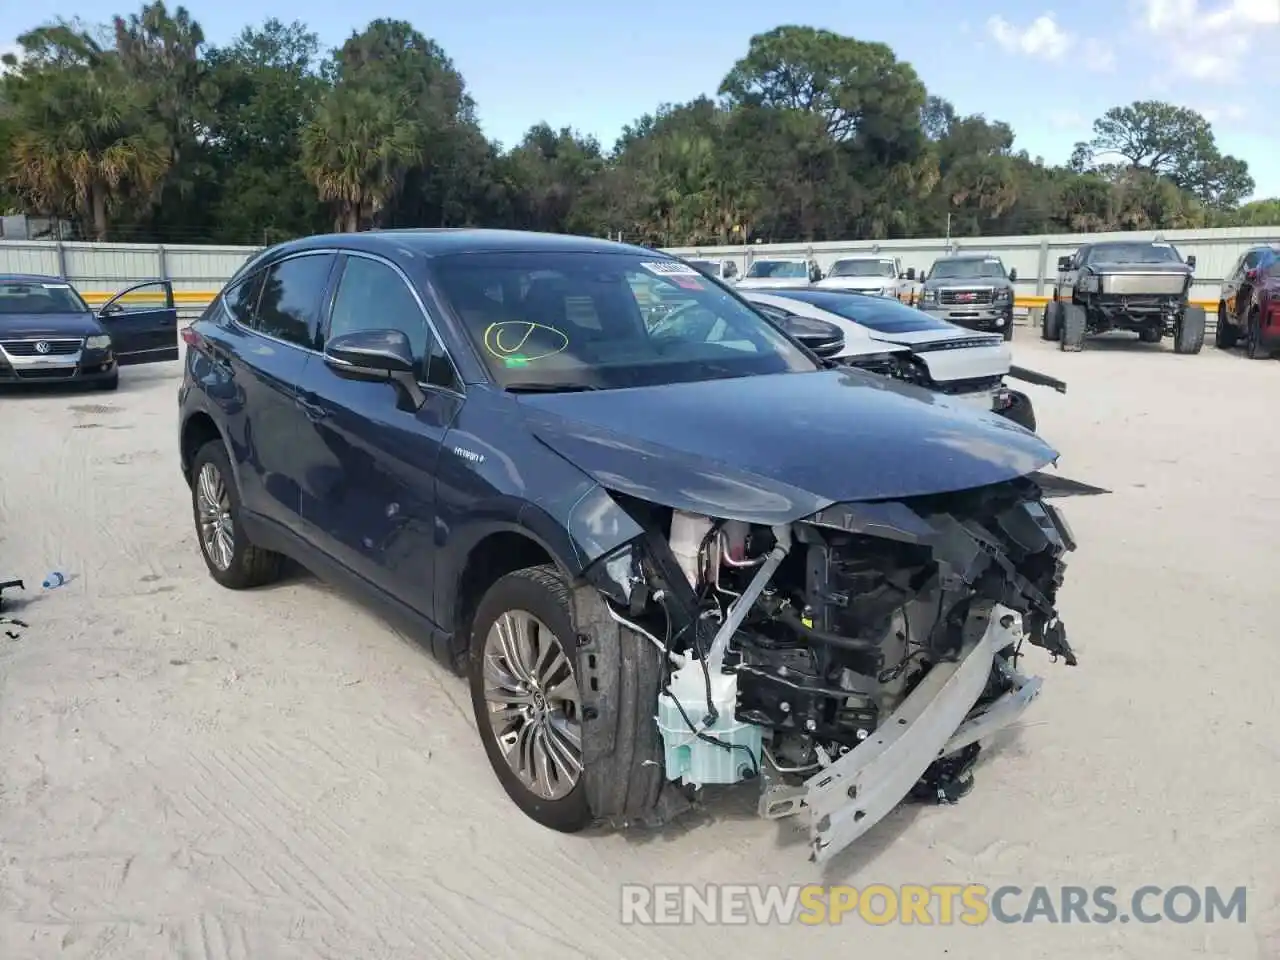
{"points": [[1134, 285]]}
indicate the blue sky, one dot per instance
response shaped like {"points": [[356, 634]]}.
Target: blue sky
{"points": [[1048, 70]]}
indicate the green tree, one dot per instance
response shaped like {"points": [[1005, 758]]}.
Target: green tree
{"points": [[85, 143], [265, 88], [550, 174], [1169, 141], [356, 151]]}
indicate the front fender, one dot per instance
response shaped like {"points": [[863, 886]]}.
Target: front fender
{"points": [[575, 529]]}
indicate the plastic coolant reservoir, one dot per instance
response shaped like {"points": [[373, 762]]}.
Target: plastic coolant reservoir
{"points": [[696, 761], [687, 533]]}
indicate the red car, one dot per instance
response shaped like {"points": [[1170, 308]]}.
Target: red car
{"points": [[1249, 305]]}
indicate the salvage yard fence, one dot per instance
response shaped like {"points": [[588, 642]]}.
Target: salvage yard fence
{"points": [[197, 272]]}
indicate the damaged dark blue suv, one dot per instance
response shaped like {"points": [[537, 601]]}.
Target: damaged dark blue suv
{"points": [[667, 545]]}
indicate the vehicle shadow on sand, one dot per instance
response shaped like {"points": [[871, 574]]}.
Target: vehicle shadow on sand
{"points": [[139, 379]]}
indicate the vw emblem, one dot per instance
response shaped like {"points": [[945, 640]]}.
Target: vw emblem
{"points": [[43, 347]]}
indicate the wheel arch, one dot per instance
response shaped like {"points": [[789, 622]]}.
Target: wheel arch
{"points": [[197, 429]]}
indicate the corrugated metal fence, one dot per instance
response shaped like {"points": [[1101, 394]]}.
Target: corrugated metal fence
{"points": [[100, 269]]}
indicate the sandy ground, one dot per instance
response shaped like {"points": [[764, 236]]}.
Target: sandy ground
{"points": [[191, 772]]}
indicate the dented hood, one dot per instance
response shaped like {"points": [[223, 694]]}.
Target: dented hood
{"points": [[772, 449]]}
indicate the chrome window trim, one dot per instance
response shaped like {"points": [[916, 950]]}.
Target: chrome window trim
{"points": [[327, 308]]}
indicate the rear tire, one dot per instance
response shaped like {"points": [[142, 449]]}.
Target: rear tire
{"points": [[1188, 335], [1007, 332], [1253, 338], [1074, 325], [1226, 335], [232, 559], [1051, 321]]}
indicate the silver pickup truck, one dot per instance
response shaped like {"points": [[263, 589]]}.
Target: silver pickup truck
{"points": [[1135, 285], [970, 290]]}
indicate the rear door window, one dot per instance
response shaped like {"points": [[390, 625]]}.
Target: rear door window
{"points": [[289, 305], [241, 299]]}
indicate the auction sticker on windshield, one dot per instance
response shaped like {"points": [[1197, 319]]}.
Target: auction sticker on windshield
{"points": [[670, 268]]}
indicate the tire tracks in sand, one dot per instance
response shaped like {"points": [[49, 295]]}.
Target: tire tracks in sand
{"points": [[295, 855]]}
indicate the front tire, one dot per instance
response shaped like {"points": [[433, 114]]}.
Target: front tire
{"points": [[1074, 326], [110, 384], [1188, 335], [524, 691], [233, 560], [1051, 322], [1020, 411], [1225, 335]]}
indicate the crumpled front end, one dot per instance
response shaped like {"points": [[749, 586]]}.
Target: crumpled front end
{"points": [[851, 659]]}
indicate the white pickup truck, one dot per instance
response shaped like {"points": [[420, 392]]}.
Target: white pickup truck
{"points": [[880, 276], [781, 272]]}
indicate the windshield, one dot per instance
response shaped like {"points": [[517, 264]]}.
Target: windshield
{"points": [[606, 321], [862, 268], [36, 296], [989, 268], [877, 313], [783, 269], [1134, 253]]}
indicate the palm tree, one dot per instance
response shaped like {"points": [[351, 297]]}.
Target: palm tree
{"points": [[356, 151], [84, 145]]}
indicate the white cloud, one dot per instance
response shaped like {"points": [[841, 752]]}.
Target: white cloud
{"points": [[1098, 56], [1042, 37], [1067, 120], [1242, 14], [1210, 40], [1230, 113]]}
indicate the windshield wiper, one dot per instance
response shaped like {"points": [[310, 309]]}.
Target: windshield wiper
{"points": [[542, 386]]}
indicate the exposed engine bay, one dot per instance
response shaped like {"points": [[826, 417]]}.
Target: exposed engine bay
{"points": [[853, 658]]}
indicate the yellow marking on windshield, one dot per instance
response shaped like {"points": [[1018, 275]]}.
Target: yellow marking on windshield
{"points": [[523, 330]]}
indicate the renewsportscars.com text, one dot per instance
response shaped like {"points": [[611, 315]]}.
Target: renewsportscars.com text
{"points": [[971, 904]]}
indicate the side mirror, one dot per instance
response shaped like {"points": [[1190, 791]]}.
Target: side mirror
{"points": [[1013, 275], [911, 273], [1191, 261], [376, 356], [827, 349], [1064, 263]]}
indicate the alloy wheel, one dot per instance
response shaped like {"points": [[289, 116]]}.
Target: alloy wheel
{"points": [[213, 509], [533, 704]]}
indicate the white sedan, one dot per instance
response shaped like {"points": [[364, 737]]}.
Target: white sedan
{"points": [[965, 366]]}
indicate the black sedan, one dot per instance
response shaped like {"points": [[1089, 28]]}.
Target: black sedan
{"points": [[48, 334]]}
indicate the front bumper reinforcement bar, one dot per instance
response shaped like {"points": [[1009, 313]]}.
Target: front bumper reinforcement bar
{"points": [[846, 799]]}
